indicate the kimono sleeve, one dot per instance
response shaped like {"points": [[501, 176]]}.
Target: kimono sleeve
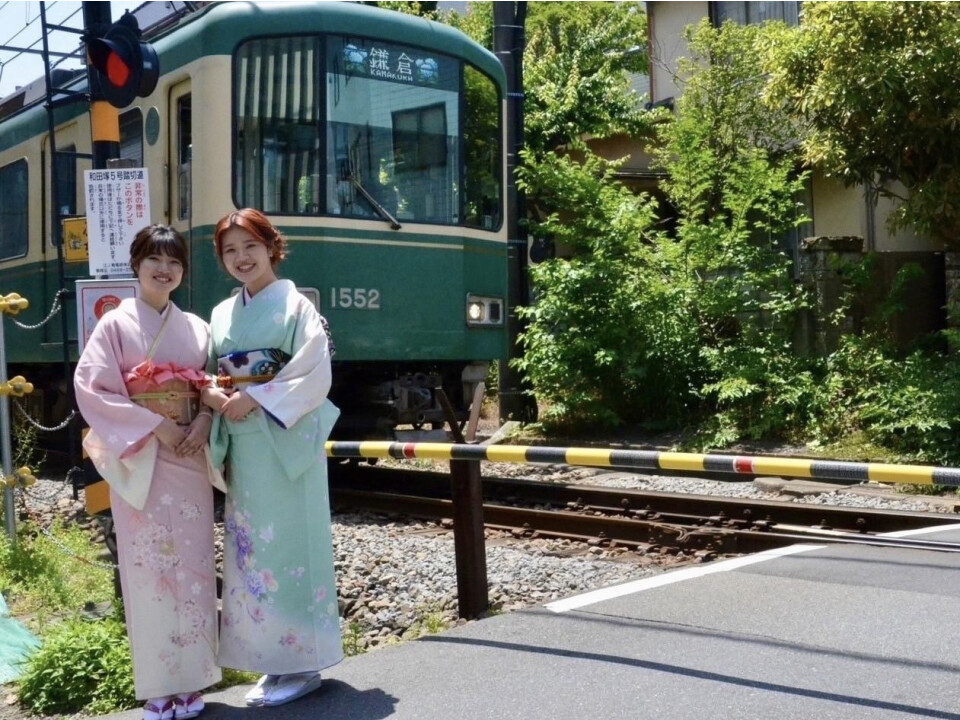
{"points": [[102, 395], [304, 382]]}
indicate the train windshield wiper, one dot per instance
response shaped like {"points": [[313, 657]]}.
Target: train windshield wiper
{"points": [[377, 207]]}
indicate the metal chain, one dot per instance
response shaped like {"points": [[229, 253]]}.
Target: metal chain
{"points": [[67, 551], [53, 311], [46, 498], [38, 426]]}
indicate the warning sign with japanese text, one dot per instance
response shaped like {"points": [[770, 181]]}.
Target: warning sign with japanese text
{"points": [[118, 207]]}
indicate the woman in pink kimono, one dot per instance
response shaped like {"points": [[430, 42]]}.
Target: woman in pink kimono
{"points": [[137, 385], [280, 615]]}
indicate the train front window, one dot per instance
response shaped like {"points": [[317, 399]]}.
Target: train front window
{"points": [[277, 152], [483, 151], [366, 129], [393, 129]]}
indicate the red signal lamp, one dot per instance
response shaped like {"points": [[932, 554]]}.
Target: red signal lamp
{"points": [[122, 67], [118, 72]]}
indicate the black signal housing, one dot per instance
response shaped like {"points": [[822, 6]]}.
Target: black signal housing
{"points": [[124, 67]]}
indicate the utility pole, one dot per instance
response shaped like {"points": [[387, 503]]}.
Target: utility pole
{"points": [[508, 44]]}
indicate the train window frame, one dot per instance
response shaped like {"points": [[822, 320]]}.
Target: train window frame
{"points": [[67, 179], [131, 135], [19, 165]]}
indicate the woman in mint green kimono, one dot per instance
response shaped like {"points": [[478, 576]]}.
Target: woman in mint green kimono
{"points": [[269, 348]]}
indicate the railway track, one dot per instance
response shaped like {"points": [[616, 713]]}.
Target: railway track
{"points": [[693, 524]]}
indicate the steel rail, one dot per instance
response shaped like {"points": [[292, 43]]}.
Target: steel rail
{"points": [[419, 494]]}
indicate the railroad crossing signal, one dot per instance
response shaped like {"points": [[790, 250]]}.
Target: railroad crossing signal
{"points": [[125, 67]]}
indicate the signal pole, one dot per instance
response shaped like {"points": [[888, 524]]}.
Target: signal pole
{"points": [[104, 118], [508, 45]]}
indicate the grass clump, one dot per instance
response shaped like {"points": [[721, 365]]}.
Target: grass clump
{"points": [[49, 577], [52, 574], [82, 666]]}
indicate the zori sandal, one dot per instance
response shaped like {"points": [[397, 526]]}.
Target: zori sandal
{"points": [[291, 687], [254, 698], [158, 709], [187, 705]]}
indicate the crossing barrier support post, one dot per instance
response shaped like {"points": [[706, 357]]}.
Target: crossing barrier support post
{"points": [[468, 538]]}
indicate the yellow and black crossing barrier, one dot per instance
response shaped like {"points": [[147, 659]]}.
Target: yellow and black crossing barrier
{"points": [[825, 470]]}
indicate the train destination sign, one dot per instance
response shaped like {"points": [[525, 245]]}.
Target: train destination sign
{"points": [[394, 63], [118, 206]]}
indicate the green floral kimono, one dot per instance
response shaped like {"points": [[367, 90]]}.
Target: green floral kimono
{"points": [[280, 612]]}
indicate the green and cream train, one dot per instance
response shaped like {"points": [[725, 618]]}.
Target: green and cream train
{"points": [[374, 140]]}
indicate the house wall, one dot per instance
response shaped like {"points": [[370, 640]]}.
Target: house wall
{"points": [[837, 210], [666, 21]]}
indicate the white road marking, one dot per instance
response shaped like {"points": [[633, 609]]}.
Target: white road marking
{"points": [[667, 578]]}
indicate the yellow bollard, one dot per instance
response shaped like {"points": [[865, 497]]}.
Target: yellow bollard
{"points": [[23, 477], [17, 386], [12, 303]]}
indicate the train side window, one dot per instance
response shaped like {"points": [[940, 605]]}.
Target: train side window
{"points": [[184, 152], [67, 180], [131, 136], [482, 148], [13, 210]]}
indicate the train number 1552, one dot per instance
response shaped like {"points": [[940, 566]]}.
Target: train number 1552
{"points": [[355, 298]]}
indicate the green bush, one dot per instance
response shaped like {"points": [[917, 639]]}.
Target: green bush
{"points": [[907, 405], [82, 666]]}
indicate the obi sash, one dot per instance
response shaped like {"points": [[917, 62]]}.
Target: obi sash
{"points": [[167, 389], [247, 367]]}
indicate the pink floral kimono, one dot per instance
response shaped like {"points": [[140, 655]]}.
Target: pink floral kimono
{"points": [[162, 505]]}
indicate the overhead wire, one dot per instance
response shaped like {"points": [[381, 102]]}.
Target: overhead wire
{"points": [[28, 22]]}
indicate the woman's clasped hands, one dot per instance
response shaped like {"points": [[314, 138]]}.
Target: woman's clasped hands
{"points": [[234, 405], [185, 440]]}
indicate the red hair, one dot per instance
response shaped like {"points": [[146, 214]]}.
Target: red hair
{"points": [[257, 224]]}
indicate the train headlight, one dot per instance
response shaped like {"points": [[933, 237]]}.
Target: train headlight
{"points": [[484, 311]]}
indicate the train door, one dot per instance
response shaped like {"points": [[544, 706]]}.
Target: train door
{"points": [[66, 172], [180, 143]]}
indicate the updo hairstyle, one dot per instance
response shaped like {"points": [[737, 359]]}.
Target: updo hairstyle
{"points": [[257, 224]]}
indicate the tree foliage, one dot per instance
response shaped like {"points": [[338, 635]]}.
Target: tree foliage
{"points": [[575, 67], [604, 334], [640, 326], [876, 87], [722, 123], [575, 72]]}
